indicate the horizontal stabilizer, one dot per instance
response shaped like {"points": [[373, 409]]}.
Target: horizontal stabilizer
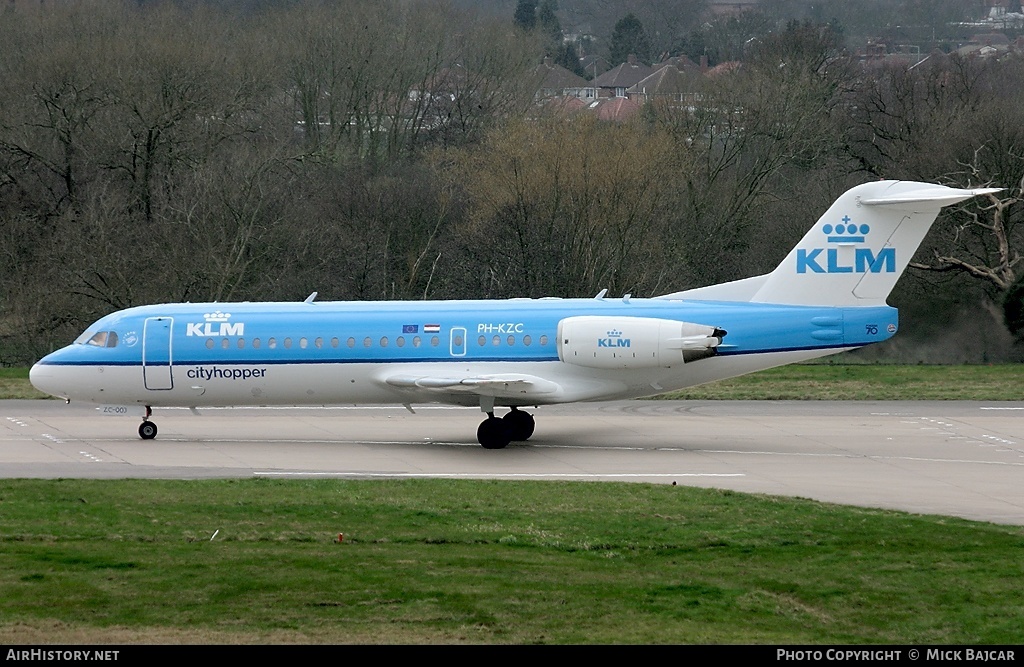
{"points": [[937, 195]]}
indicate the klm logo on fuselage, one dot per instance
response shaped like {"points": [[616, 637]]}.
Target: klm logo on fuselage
{"points": [[614, 339], [827, 260], [216, 324]]}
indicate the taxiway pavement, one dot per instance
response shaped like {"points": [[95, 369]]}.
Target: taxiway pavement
{"points": [[962, 459]]}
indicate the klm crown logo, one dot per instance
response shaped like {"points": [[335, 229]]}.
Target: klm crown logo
{"points": [[217, 316], [217, 324], [614, 339], [865, 260]]}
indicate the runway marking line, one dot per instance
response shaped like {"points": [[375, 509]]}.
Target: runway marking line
{"points": [[489, 475], [399, 409]]}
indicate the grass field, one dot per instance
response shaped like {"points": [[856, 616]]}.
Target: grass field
{"points": [[440, 561], [14, 384], [432, 561], [879, 382]]}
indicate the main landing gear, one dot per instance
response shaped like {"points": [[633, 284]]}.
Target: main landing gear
{"points": [[496, 433], [147, 429]]}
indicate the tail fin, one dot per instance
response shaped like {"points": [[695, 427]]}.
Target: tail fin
{"points": [[855, 253]]}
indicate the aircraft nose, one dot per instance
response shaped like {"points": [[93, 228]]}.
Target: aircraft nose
{"points": [[43, 378]]}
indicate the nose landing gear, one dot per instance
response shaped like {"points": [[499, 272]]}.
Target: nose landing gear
{"points": [[147, 429]]}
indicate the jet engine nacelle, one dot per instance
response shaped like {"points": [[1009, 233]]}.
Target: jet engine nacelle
{"points": [[633, 342]]}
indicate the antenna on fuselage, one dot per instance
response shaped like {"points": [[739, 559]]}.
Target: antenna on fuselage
{"points": [[600, 295], [311, 297]]}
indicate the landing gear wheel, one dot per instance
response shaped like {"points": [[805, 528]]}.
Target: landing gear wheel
{"points": [[147, 430], [493, 433], [520, 425]]}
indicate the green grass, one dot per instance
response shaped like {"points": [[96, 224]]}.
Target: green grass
{"points": [[820, 381], [14, 384], [426, 561], [879, 382]]}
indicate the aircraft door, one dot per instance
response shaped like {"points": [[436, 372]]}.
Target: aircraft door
{"points": [[458, 342], [156, 353]]}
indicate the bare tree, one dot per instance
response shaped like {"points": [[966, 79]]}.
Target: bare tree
{"points": [[563, 207], [55, 99], [747, 127], [959, 121], [490, 78], [902, 118], [983, 239]]}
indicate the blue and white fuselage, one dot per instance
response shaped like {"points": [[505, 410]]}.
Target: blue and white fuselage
{"points": [[828, 295], [352, 353]]}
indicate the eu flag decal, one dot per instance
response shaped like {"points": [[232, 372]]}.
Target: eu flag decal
{"points": [[410, 328]]}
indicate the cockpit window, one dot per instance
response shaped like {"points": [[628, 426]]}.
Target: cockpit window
{"points": [[101, 339]]}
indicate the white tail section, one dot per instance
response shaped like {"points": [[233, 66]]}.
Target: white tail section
{"points": [[854, 254]]}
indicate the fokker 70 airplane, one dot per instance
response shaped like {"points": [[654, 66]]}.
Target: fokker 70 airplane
{"points": [[828, 295]]}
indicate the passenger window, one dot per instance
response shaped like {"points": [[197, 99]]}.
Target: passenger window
{"points": [[288, 343], [272, 343], [481, 341], [383, 341], [527, 340], [511, 340], [400, 341], [544, 340], [415, 341], [351, 342], [303, 342], [496, 341], [256, 343], [434, 341]]}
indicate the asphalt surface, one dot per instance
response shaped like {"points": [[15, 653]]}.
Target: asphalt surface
{"points": [[961, 459]]}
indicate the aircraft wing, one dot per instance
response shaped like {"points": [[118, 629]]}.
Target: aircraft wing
{"points": [[502, 385]]}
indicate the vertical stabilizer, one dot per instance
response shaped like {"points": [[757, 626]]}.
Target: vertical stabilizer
{"points": [[856, 252]]}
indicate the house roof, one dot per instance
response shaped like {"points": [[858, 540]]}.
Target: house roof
{"points": [[681, 62], [723, 68], [982, 50], [556, 77], [623, 76], [991, 39], [666, 80], [567, 106], [615, 108]]}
